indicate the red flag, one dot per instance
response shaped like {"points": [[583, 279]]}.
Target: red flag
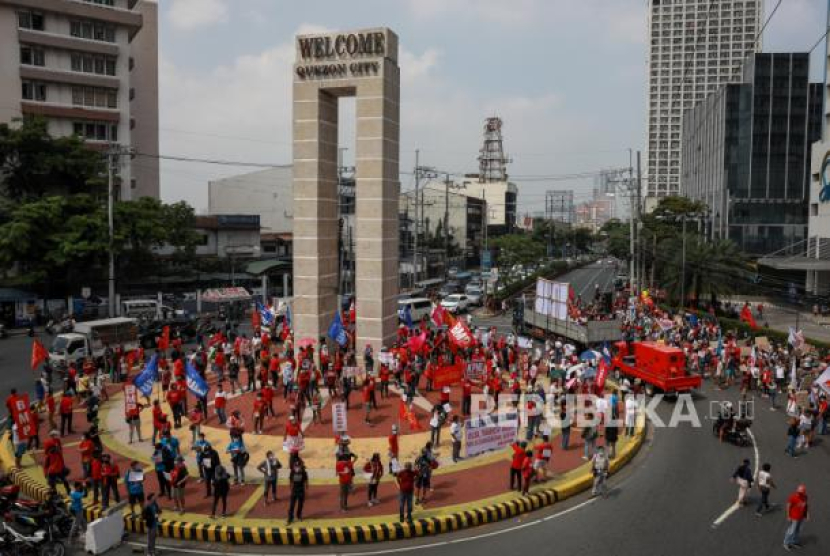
{"points": [[746, 316], [39, 354], [417, 343], [412, 419], [352, 313], [602, 374], [217, 338], [460, 335], [438, 316]]}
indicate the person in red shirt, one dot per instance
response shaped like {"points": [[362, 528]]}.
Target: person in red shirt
{"points": [[292, 428], [345, 476], [542, 454], [157, 415], [394, 447], [66, 409], [259, 413], [268, 399], [50, 409], [516, 465], [53, 464], [109, 476], [384, 381], [797, 514], [174, 398], [406, 490], [527, 472], [466, 397], [86, 447]]}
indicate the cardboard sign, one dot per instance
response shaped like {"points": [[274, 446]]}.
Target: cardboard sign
{"points": [[448, 375], [476, 369], [339, 417], [130, 399], [22, 416], [762, 343]]}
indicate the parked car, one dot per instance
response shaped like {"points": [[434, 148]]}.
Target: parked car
{"points": [[448, 289], [456, 303], [418, 308], [475, 296]]}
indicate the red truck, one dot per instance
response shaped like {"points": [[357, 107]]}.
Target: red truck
{"points": [[659, 367]]}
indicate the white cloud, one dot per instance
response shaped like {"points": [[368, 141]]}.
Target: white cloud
{"points": [[191, 14], [497, 11]]}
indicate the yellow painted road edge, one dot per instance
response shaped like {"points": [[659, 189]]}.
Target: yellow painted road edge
{"points": [[376, 529]]}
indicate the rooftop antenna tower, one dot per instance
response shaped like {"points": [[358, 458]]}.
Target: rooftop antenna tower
{"points": [[492, 163]]}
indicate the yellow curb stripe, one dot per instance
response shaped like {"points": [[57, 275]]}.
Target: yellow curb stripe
{"points": [[568, 485]]}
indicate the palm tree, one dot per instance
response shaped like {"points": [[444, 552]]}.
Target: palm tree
{"points": [[711, 268]]}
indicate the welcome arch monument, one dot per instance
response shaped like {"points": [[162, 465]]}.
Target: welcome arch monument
{"points": [[361, 64]]}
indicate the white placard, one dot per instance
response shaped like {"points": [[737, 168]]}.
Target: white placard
{"points": [[484, 435], [339, 417]]}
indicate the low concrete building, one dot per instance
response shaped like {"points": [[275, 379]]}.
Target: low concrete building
{"points": [[267, 193]]}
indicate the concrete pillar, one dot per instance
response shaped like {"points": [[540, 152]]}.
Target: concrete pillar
{"points": [[361, 64], [198, 301], [285, 288], [315, 209], [376, 214], [264, 289]]}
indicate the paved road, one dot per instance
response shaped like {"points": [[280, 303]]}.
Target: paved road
{"points": [[664, 503], [584, 279]]}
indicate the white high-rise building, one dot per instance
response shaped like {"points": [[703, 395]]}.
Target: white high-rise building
{"points": [[695, 47]]}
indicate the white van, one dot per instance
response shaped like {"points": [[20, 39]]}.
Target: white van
{"points": [[418, 308], [147, 308]]}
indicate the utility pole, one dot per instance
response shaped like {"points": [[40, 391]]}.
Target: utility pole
{"points": [[446, 226], [639, 193], [114, 153], [417, 220]]}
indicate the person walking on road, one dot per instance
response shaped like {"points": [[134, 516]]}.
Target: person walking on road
{"points": [[743, 477], [765, 484], [599, 468], [797, 514]]}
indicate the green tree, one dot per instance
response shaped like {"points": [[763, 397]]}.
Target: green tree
{"points": [[516, 249], [34, 164], [712, 269]]}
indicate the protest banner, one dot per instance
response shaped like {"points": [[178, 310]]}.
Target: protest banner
{"points": [[476, 369], [448, 375], [339, 417], [487, 434]]}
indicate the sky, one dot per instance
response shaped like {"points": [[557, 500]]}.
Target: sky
{"points": [[567, 77]]}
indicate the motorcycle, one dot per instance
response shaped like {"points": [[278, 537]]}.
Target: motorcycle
{"points": [[31, 515], [39, 543]]}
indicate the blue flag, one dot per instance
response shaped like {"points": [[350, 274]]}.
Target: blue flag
{"points": [[265, 314], [693, 319], [407, 316], [288, 315], [146, 378], [195, 383], [336, 330]]}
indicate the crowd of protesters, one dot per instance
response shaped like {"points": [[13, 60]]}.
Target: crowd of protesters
{"points": [[272, 368]]}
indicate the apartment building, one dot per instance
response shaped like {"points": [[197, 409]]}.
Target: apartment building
{"points": [[695, 46], [90, 68]]}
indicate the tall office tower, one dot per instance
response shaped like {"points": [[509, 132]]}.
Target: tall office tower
{"points": [[695, 46], [90, 68]]}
